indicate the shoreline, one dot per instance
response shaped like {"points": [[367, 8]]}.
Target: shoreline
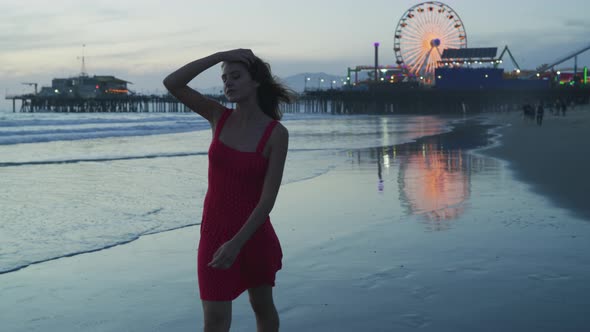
{"points": [[453, 127], [504, 127], [551, 158], [354, 260]]}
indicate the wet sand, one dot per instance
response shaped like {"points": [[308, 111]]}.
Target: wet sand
{"points": [[553, 158], [359, 255]]}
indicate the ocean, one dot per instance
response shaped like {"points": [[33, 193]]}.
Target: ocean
{"points": [[75, 183]]}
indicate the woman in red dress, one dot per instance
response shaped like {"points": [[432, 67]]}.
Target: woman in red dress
{"points": [[238, 247]]}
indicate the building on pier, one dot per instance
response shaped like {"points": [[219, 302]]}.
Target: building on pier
{"points": [[96, 94], [31, 103], [84, 93], [84, 86]]}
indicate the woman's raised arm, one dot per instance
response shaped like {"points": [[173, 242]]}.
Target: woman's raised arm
{"points": [[177, 82]]}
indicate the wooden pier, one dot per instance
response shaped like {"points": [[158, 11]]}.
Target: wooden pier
{"points": [[377, 100], [425, 100], [31, 103]]}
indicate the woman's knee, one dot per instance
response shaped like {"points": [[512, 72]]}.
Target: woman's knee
{"points": [[217, 315], [262, 301], [216, 322]]}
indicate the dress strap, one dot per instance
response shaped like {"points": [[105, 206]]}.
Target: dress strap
{"points": [[266, 135], [221, 122]]}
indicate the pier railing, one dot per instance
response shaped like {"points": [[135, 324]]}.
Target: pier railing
{"points": [[127, 103], [431, 100], [417, 100]]}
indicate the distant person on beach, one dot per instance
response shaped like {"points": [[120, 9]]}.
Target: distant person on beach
{"points": [[528, 112], [549, 106], [540, 112], [238, 248]]}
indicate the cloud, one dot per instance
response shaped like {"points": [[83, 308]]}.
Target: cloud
{"points": [[532, 47], [577, 23]]}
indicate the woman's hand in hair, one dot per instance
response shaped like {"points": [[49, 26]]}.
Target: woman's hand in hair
{"points": [[239, 55]]}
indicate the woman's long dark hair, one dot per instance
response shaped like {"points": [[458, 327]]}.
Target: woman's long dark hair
{"points": [[270, 92]]}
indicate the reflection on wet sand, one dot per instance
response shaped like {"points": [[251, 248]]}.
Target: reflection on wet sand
{"points": [[433, 183], [432, 175]]}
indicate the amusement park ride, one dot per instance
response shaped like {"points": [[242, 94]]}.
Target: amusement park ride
{"points": [[422, 34], [434, 71], [430, 36]]}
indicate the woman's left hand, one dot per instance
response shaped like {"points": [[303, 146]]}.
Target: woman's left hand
{"points": [[225, 256]]}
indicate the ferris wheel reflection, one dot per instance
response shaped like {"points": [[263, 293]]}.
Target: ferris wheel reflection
{"points": [[434, 182], [431, 177]]}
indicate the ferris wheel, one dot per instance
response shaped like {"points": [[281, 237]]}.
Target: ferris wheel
{"points": [[422, 33]]}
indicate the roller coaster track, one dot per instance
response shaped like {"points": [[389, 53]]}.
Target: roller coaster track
{"points": [[564, 59]]}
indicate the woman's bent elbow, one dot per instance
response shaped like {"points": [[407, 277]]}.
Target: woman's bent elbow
{"points": [[167, 83]]}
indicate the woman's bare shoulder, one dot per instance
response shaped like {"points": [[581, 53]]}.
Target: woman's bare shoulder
{"points": [[280, 135]]}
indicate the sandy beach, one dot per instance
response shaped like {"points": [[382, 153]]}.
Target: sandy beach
{"points": [[446, 242], [552, 157]]}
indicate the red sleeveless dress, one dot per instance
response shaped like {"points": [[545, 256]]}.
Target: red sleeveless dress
{"points": [[235, 186]]}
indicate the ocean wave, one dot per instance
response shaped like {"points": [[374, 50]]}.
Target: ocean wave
{"points": [[98, 130], [100, 206], [100, 159], [130, 238], [17, 130], [73, 135], [7, 123]]}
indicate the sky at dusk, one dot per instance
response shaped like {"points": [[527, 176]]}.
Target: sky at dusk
{"points": [[142, 41]]}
